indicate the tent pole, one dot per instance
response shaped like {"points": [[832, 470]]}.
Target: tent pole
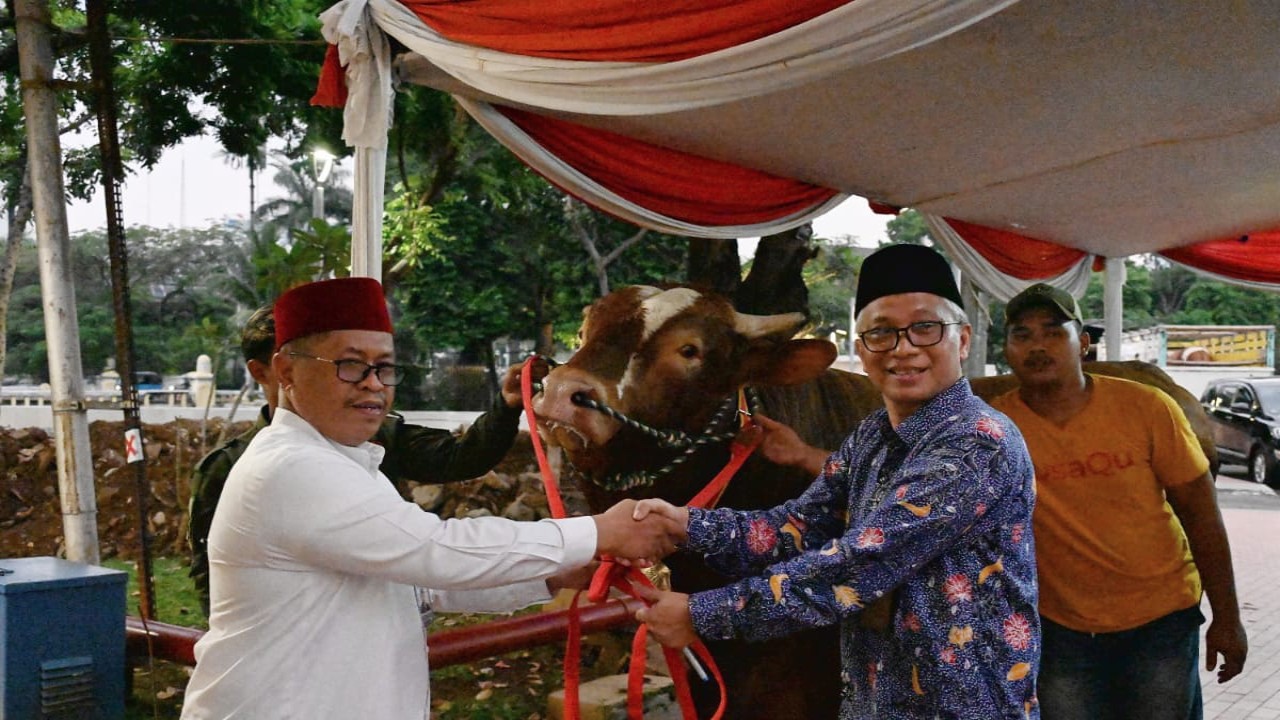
{"points": [[975, 306], [1113, 307], [62, 329], [366, 221]]}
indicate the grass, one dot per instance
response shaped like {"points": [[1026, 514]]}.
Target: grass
{"points": [[510, 687], [157, 686], [175, 595]]}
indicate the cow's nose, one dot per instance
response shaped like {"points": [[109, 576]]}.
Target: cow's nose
{"points": [[569, 398]]}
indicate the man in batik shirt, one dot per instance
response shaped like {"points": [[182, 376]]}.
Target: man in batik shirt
{"points": [[922, 518]]}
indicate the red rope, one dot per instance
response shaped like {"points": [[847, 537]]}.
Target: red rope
{"points": [[612, 575]]}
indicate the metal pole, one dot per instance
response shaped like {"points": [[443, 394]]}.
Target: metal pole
{"points": [[317, 201], [112, 174], [62, 330]]}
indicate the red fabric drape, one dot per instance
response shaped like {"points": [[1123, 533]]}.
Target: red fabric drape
{"points": [[1254, 257], [1017, 255], [652, 31], [331, 91], [686, 187]]}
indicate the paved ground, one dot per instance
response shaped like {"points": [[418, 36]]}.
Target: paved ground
{"points": [[1252, 515]]}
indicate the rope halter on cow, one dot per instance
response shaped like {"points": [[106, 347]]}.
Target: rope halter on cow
{"points": [[721, 428]]}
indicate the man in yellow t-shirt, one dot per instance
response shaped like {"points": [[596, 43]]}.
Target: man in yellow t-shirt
{"points": [[1127, 526]]}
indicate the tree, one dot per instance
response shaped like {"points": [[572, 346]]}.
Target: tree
{"points": [[1136, 296], [179, 280], [500, 261], [295, 210], [908, 227], [244, 70], [832, 280], [1214, 303]]}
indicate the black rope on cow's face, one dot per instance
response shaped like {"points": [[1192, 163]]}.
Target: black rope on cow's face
{"points": [[725, 415]]}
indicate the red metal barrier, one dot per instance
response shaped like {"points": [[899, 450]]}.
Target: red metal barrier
{"points": [[447, 647]]}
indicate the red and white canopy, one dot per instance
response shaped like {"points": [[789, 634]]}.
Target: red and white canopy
{"points": [[1034, 134]]}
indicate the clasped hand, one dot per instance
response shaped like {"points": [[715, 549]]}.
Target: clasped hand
{"points": [[635, 537]]}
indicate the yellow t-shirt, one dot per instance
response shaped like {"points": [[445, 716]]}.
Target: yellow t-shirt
{"points": [[1111, 554]]}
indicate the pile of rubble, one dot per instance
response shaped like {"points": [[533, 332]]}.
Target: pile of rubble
{"points": [[31, 521]]}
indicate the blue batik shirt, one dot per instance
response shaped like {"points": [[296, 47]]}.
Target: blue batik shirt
{"points": [[932, 518]]}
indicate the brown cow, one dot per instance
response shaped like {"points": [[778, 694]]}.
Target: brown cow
{"points": [[668, 365]]}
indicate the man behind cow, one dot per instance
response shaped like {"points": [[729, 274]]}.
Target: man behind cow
{"points": [[314, 556], [413, 452], [1127, 526], [923, 516]]}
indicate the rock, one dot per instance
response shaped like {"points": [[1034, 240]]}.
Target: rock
{"points": [[517, 510], [606, 699], [428, 497]]}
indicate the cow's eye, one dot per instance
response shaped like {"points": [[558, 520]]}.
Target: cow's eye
{"points": [[689, 352]]}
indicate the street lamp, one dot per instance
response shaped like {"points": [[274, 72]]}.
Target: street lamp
{"points": [[322, 166]]}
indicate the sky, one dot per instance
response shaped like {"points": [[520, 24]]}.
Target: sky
{"points": [[193, 186]]}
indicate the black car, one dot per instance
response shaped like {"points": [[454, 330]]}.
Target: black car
{"points": [[1245, 414]]}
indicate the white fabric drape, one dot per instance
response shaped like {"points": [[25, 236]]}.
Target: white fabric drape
{"points": [[986, 276], [857, 33], [860, 32], [566, 176]]}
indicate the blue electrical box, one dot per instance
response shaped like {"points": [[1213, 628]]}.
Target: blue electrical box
{"points": [[61, 640]]}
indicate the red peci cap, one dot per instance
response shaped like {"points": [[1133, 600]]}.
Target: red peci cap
{"points": [[352, 303]]}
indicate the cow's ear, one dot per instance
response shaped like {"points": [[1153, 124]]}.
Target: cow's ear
{"points": [[789, 363]]}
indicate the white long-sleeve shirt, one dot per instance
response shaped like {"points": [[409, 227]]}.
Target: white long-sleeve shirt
{"points": [[313, 559]]}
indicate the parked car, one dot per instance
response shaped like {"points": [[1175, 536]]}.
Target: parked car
{"points": [[1245, 414], [146, 380]]}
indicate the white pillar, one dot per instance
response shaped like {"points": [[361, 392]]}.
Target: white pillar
{"points": [[1113, 307], [366, 220], [61, 327], [202, 382]]}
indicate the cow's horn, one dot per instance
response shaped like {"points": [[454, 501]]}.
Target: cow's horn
{"points": [[754, 326]]}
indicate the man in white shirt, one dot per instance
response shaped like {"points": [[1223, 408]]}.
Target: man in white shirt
{"points": [[314, 557]]}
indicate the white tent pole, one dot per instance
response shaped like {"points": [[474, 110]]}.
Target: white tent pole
{"points": [[61, 327], [1113, 306], [366, 220]]}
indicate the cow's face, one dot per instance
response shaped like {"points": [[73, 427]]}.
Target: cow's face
{"points": [[668, 359]]}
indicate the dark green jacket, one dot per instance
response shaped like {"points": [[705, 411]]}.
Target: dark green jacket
{"points": [[428, 455]]}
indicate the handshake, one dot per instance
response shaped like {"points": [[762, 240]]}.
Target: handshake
{"points": [[642, 532]]}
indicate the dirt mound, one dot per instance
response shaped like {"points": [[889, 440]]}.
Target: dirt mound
{"points": [[31, 520]]}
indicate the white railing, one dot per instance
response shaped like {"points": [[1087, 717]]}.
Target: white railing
{"points": [[34, 396], [27, 406]]}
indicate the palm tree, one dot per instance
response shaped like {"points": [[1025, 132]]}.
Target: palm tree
{"points": [[254, 163], [294, 210]]}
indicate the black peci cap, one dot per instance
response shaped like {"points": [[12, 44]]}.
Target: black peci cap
{"points": [[898, 269]]}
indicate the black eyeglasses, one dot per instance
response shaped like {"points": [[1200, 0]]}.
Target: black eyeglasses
{"points": [[355, 371], [920, 334]]}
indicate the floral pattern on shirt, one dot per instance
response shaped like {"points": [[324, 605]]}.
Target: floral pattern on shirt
{"points": [[932, 517]]}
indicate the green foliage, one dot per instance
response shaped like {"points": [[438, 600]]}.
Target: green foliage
{"points": [[495, 259], [907, 227], [411, 229], [1136, 296], [1157, 292], [832, 279], [1211, 303], [180, 299]]}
